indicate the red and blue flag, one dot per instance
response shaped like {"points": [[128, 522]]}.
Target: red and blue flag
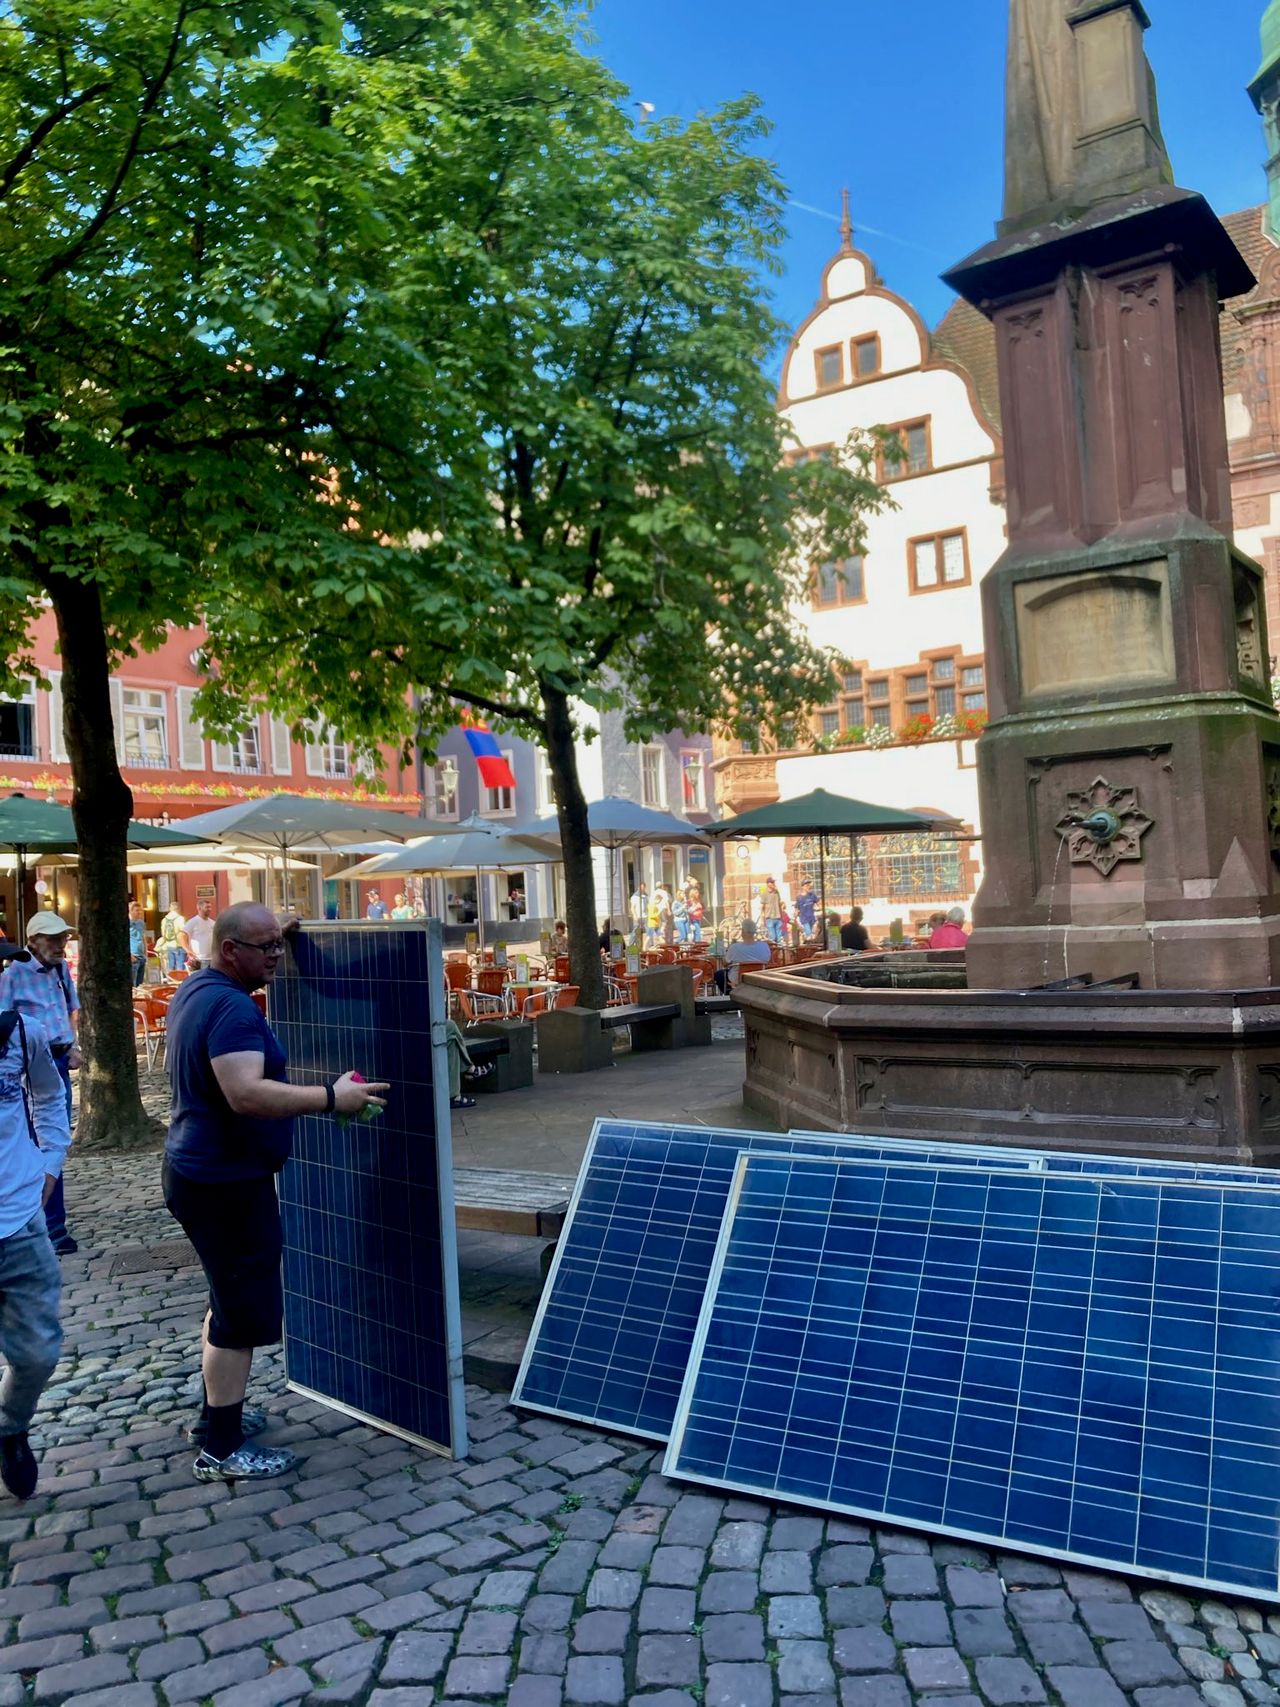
{"points": [[494, 770]]}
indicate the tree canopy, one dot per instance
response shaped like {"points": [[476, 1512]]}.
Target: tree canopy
{"points": [[614, 517], [215, 334], [374, 334]]}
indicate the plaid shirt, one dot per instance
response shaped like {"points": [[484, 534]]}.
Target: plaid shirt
{"points": [[42, 993]]}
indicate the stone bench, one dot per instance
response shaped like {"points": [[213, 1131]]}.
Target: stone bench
{"points": [[664, 1016], [508, 1043]]}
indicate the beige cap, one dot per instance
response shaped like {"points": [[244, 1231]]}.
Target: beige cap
{"points": [[47, 924]]}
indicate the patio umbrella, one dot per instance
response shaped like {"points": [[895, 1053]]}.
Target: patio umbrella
{"points": [[479, 845], [615, 823], [30, 826], [822, 814], [281, 823]]}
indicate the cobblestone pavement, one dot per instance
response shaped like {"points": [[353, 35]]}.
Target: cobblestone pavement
{"points": [[555, 1566]]}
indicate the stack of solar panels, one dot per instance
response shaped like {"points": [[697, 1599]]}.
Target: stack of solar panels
{"points": [[1070, 1355]]}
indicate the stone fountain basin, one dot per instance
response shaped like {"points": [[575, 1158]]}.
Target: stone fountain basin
{"points": [[1180, 1074]]}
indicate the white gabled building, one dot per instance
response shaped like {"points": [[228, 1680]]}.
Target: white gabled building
{"points": [[907, 615]]}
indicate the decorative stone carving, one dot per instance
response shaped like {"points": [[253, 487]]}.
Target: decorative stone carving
{"points": [[1273, 804], [1103, 825]]}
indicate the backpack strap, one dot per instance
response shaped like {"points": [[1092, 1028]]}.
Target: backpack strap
{"points": [[11, 1020]]}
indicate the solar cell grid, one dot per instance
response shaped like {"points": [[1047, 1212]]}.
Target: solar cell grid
{"points": [[617, 1316], [1085, 1161], [616, 1321], [372, 1322], [1078, 1364]]}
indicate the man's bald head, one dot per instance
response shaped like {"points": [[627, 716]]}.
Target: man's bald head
{"points": [[245, 919]]}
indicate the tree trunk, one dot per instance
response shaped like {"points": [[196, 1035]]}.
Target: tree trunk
{"points": [[585, 968], [111, 1112]]}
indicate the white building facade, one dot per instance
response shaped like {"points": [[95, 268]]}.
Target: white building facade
{"points": [[905, 616]]}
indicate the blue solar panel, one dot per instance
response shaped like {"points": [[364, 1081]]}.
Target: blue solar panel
{"points": [[611, 1338], [372, 1320], [1082, 1161], [1081, 1365]]}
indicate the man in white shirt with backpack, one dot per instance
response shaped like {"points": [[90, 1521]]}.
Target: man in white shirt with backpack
{"points": [[34, 1138]]}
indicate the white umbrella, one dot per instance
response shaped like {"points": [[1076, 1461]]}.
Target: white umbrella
{"points": [[285, 823], [615, 823], [479, 845]]}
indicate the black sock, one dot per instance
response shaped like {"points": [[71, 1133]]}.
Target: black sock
{"points": [[225, 1430], [204, 1401]]}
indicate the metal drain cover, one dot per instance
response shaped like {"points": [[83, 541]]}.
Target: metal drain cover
{"points": [[144, 1259]]}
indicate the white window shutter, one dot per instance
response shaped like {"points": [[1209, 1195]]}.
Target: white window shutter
{"points": [[117, 717], [281, 748], [222, 759], [57, 740], [315, 759], [190, 734]]}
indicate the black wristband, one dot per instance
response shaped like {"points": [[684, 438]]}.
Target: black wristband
{"points": [[330, 1099]]}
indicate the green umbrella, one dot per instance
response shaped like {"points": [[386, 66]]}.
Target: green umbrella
{"points": [[41, 826], [822, 814], [819, 813]]}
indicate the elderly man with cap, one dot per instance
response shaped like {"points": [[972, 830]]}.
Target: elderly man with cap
{"points": [[42, 990], [34, 1136]]}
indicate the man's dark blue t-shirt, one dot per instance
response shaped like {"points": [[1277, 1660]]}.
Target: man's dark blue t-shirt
{"points": [[212, 1015]]}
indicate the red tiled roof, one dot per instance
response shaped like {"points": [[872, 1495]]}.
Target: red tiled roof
{"points": [[966, 337], [1245, 231]]}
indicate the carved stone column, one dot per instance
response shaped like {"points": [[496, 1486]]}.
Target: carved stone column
{"points": [[1131, 774]]}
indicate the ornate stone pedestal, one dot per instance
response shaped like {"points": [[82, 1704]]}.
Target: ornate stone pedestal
{"points": [[1131, 774]]}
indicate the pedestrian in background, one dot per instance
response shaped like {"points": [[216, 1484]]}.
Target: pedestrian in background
{"points": [[680, 915], [695, 909], [44, 993], [197, 934], [853, 936], [172, 925], [230, 1133], [137, 943], [639, 911], [950, 933], [34, 1136], [769, 915], [376, 908]]}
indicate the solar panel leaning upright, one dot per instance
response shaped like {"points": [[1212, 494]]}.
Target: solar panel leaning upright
{"points": [[1085, 1365], [372, 1314]]}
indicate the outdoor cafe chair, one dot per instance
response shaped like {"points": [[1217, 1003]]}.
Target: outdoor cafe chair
{"points": [[542, 1001], [475, 1006], [151, 1014]]}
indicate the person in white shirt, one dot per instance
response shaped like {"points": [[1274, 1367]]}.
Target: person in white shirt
{"points": [[749, 952], [34, 1139], [197, 934]]}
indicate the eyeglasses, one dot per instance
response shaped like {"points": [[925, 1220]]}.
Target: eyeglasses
{"points": [[274, 947]]}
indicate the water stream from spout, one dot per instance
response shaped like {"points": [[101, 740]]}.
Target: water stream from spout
{"points": [[1048, 935]]}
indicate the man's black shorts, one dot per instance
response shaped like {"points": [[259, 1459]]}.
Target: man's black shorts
{"points": [[235, 1228]]}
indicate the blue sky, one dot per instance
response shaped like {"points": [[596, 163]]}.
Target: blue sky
{"points": [[903, 101]]}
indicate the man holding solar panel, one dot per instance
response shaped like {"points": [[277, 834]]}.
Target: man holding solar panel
{"points": [[230, 1133]]}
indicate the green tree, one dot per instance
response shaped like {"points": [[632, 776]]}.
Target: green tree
{"points": [[214, 310], [616, 521]]}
